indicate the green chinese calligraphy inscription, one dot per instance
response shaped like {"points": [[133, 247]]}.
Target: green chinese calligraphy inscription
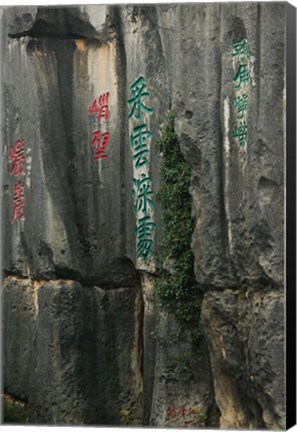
{"points": [[241, 103], [241, 49], [139, 92], [143, 194], [142, 191], [140, 144], [240, 132], [241, 80], [143, 232], [242, 76]]}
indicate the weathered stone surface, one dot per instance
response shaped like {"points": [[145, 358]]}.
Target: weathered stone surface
{"points": [[64, 179], [73, 352], [91, 349], [19, 306], [246, 339], [238, 237], [182, 397], [66, 186]]}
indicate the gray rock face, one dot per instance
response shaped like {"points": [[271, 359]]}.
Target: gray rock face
{"points": [[79, 305], [182, 397], [73, 351], [246, 344]]}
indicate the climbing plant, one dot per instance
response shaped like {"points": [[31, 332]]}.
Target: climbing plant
{"points": [[176, 286]]}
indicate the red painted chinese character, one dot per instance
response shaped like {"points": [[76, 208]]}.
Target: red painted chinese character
{"points": [[17, 157], [100, 106], [99, 144], [182, 411], [18, 202], [171, 412]]}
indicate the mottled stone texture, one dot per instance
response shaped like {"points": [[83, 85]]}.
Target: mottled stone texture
{"points": [[73, 351], [79, 316], [183, 397], [246, 344]]}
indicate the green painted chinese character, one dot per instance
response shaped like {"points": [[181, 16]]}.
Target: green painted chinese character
{"points": [[139, 142], [242, 76], [142, 194], [143, 231], [139, 91], [241, 103], [241, 133], [241, 49]]}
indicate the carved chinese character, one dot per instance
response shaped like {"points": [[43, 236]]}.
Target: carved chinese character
{"points": [[99, 144], [241, 103], [140, 144], [18, 202], [17, 157], [241, 49], [139, 92], [242, 76], [144, 236], [100, 106], [241, 133], [171, 412], [182, 411], [143, 194]]}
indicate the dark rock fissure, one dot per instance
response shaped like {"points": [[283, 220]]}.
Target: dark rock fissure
{"points": [[57, 23]]}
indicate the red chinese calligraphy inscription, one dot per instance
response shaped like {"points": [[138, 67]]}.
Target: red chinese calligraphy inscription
{"points": [[18, 202], [17, 158], [99, 144], [100, 106], [100, 138]]}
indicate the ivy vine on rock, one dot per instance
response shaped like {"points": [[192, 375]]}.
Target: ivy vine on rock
{"points": [[176, 286]]}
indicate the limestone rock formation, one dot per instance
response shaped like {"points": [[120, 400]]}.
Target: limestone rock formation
{"points": [[79, 307]]}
